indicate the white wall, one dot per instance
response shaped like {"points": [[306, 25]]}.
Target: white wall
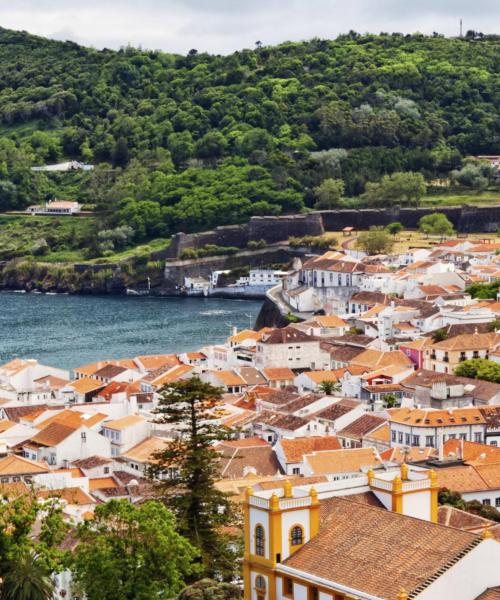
{"points": [[288, 520], [417, 504], [259, 517], [467, 579]]}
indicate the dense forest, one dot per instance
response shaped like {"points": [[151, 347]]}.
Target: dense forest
{"points": [[190, 142]]}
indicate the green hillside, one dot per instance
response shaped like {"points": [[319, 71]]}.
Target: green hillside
{"points": [[190, 142]]}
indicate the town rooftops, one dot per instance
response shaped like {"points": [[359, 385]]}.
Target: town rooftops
{"points": [[287, 335], [278, 374], [362, 426], [228, 378], [339, 409], [124, 422], [85, 385], [144, 451], [294, 449], [478, 388], [244, 457], [52, 435], [471, 341], [397, 551], [109, 371], [16, 413], [345, 460], [18, 465], [417, 417], [156, 361], [91, 462], [244, 335], [73, 418], [375, 359]]}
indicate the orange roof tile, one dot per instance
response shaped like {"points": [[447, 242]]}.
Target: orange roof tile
{"points": [[228, 378], [144, 451], [278, 374], [342, 461], [101, 483], [18, 465], [124, 422], [72, 495], [417, 417], [86, 385], [295, 448]]}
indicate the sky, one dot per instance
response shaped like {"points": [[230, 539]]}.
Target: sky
{"points": [[223, 26]]}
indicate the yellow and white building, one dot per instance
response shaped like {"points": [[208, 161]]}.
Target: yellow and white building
{"points": [[372, 537]]}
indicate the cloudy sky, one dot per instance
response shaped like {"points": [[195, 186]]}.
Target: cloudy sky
{"points": [[221, 26]]}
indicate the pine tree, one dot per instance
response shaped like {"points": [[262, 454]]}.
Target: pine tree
{"points": [[189, 465]]}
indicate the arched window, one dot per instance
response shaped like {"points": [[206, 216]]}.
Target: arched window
{"points": [[260, 583], [260, 541], [297, 536]]}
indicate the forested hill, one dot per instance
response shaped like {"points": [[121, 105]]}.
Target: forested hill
{"points": [[197, 140]]}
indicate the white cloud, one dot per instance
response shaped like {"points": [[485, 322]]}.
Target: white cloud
{"points": [[227, 25]]}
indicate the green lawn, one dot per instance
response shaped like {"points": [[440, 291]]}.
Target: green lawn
{"points": [[458, 198]]}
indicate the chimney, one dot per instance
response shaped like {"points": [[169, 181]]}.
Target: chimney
{"points": [[440, 446], [235, 330]]}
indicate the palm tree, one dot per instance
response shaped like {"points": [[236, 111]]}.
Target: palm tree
{"points": [[330, 387], [26, 579]]}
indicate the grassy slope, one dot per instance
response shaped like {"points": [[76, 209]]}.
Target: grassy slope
{"points": [[18, 234]]}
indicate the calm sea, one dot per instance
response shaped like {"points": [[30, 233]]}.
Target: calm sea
{"points": [[68, 331]]}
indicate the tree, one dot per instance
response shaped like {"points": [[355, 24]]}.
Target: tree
{"points": [[390, 400], [377, 240], [439, 335], [329, 387], [329, 194], [190, 407], [26, 561], [27, 579], [208, 589], [398, 188], [475, 174], [436, 224], [395, 228], [121, 154], [132, 552], [479, 368]]}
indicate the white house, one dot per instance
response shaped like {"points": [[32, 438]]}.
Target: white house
{"points": [[56, 207], [125, 433], [59, 444]]}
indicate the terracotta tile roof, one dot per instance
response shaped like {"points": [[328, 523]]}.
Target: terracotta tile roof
{"points": [[75, 472], [72, 418], [278, 374], [228, 378], [348, 460], [418, 417], [375, 359], [490, 594], [294, 449], [245, 334], [371, 298], [414, 454], [362, 426], [109, 371], [280, 421], [72, 495], [252, 376], [471, 341], [124, 422], [18, 465], [491, 415], [156, 361], [49, 382], [344, 354], [472, 451], [86, 385], [277, 484], [287, 335], [144, 451], [419, 344], [53, 434], [91, 462], [320, 376], [6, 424], [241, 460], [100, 483], [482, 390], [460, 519], [339, 409], [382, 434], [368, 498], [15, 413], [392, 550], [462, 478], [327, 321], [168, 374], [196, 355]]}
